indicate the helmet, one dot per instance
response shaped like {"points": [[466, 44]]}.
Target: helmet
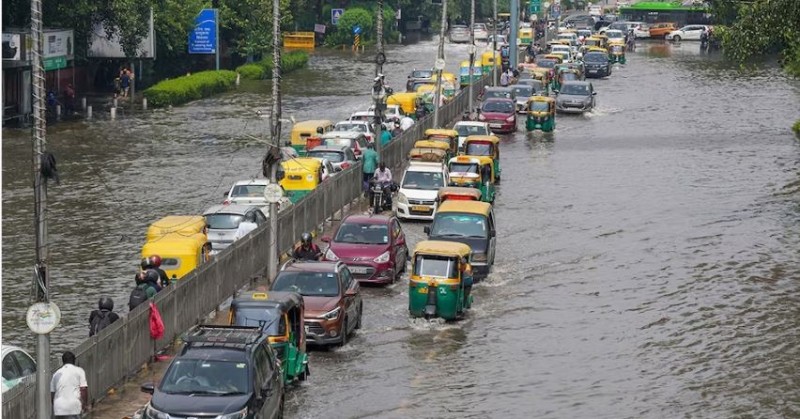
{"points": [[145, 263], [105, 303], [305, 239], [155, 261], [151, 276]]}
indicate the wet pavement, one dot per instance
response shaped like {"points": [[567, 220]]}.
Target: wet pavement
{"points": [[646, 265]]}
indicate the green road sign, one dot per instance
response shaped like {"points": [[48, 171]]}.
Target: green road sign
{"points": [[55, 63]]}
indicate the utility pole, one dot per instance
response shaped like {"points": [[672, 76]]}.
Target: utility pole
{"points": [[379, 60], [494, 43], [41, 277], [471, 50], [512, 41], [439, 67], [275, 132]]}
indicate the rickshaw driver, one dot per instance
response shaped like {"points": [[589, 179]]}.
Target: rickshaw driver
{"points": [[307, 249]]}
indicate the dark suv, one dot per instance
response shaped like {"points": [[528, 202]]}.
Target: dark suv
{"points": [[223, 372], [597, 64], [331, 296]]}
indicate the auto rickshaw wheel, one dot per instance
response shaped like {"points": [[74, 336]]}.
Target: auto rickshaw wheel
{"points": [[303, 375]]}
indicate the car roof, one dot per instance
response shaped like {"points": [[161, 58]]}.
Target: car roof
{"points": [[6, 349], [470, 207], [576, 82], [251, 182], [228, 209], [425, 166], [310, 266], [471, 123], [331, 148], [269, 299], [367, 219], [342, 134], [215, 353], [498, 99]]}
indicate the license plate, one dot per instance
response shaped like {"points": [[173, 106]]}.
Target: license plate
{"points": [[592, 71], [495, 125], [420, 208], [422, 290], [358, 269]]}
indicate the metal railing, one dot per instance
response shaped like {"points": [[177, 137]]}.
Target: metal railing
{"points": [[121, 349]]}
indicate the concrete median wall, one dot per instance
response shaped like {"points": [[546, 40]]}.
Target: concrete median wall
{"points": [[121, 349]]}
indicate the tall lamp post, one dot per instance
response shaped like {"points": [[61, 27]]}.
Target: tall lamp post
{"points": [[471, 51], [439, 66], [380, 58], [494, 43], [273, 157]]}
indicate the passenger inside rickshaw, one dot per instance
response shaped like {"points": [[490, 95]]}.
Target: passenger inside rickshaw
{"points": [[456, 167]]}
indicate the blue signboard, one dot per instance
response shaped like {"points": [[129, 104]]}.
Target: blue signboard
{"points": [[203, 38], [555, 11], [335, 15], [356, 30]]}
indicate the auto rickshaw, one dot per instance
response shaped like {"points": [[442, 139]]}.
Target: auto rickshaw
{"points": [[525, 36], [406, 101], [490, 59], [616, 52], [474, 172], [179, 224], [594, 41], [477, 73], [448, 136], [484, 145], [303, 130], [556, 57], [428, 154], [301, 176], [446, 77], [436, 145], [457, 193], [180, 253], [545, 76], [441, 280], [541, 114], [280, 315]]}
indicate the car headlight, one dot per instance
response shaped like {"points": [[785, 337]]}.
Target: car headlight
{"points": [[151, 412], [510, 118], [331, 314], [383, 258], [329, 255], [401, 198], [479, 257], [235, 415], [481, 117]]}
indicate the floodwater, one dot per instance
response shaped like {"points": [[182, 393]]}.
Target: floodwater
{"points": [[647, 262]]}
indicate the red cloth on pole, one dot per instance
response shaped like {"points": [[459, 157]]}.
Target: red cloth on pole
{"points": [[156, 324]]}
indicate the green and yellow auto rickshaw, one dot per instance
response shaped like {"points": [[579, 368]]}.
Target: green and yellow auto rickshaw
{"points": [[436, 155], [616, 52], [447, 136], [484, 145], [301, 176], [525, 36], [474, 172], [303, 130], [441, 280], [490, 59], [280, 315], [477, 73], [541, 114]]}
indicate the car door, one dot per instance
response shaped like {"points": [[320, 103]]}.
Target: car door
{"points": [[260, 217], [11, 370], [266, 372], [350, 307], [399, 250], [492, 239]]}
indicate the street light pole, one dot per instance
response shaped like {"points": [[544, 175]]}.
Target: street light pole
{"points": [[440, 66], [275, 132], [494, 44], [471, 50], [513, 36], [378, 79]]}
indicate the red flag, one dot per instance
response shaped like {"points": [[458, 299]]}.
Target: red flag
{"points": [[156, 324]]}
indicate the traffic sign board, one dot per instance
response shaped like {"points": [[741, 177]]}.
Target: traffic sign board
{"points": [[555, 11], [356, 30], [335, 15]]}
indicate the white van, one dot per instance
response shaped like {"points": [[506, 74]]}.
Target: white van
{"points": [[416, 199]]}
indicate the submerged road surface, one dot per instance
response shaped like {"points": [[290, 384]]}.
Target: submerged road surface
{"points": [[647, 256]]}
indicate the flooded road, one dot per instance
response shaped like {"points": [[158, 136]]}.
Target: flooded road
{"points": [[647, 262]]}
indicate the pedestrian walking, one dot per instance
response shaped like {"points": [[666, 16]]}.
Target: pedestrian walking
{"points": [[370, 164], [68, 389], [102, 317], [69, 99], [125, 81]]}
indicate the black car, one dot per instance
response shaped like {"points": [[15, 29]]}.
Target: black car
{"points": [[227, 372], [597, 64]]}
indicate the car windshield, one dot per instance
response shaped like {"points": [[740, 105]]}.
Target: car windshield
{"points": [[502, 94], [205, 376], [522, 91], [361, 117], [436, 266], [539, 106], [459, 225], [331, 156], [479, 149], [422, 74], [346, 126], [362, 233], [467, 130], [546, 63], [308, 284], [423, 180], [595, 57], [463, 167], [223, 221], [338, 142], [498, 106], [569, 76], [269, 319], [248, 191], [575, 89]]}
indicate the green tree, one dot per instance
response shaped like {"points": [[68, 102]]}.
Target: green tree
{"points": [[247, 25]]}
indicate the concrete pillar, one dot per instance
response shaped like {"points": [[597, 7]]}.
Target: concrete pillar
{"points": [[58, 111], [115, 103], [238, 78], [89, 112], [83, 103], [114, 112], [144, 103]]}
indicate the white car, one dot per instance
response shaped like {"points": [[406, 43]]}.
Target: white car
{"points": [[480, 31], [223, 221], [467, 128], [17, 366], [367, 116], [363, 127], [641, 30], [687, 33], [251, 192], [419, 188], [391, 111], [558, 49], [615, 35]]}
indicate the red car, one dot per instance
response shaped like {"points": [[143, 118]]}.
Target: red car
{"points": [[500, 114], [372, 246]]}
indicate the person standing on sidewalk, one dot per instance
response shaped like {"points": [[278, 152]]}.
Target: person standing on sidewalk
{"points": [[370, 164], [68, 389]]}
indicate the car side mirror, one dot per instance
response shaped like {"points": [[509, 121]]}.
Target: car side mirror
{"points": [[594, 93], [426, 229], [401, 240], [555, 91], [148, 388], [326, 239], [350, 292]]}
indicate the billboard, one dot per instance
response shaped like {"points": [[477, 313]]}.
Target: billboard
{"points": [[203, 38], [11, 46], [102, 47], [58, 43]]}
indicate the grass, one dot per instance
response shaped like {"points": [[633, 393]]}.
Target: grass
{"points": [[263, 69], [184, 89]]}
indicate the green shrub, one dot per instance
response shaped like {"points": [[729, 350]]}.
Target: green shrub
{"points": [[187, 88], [796, 128], [263, 69], [350, 18]]}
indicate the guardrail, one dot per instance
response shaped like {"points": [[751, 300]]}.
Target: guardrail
{"points": [[122, 348], [299, 40]]}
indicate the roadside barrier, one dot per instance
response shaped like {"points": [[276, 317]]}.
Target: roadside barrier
{"points": [[299, 40], [122, 348]]}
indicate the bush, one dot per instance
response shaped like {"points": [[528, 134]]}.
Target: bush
{"points": [[350, 18], [796, 128], [263, 69], [187, 88]]}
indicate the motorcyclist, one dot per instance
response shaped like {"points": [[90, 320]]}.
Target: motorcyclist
{"points": [[383, 177], [154, 262], [307, 249], [530, 52]]}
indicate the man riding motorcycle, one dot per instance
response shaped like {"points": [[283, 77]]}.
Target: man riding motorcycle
{"points": [[383, 177]]}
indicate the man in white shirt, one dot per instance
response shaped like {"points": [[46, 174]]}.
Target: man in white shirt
{"points": [[406, 123], [247, 225], [68, 388]]}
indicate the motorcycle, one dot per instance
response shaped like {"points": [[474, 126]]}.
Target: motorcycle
{"points": [[380, 194]]}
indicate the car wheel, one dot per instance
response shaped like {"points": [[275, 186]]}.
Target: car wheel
{"points": [[343, 333], [360, 313], [280, 409], [676, 38]]}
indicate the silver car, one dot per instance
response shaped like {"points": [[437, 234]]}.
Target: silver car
{"points": [[481, 33], [459, 34], [575, 97], [223, 221]]}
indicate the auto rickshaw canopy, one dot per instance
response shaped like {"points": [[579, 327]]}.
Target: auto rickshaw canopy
{"points": [[494, 142], [443, 248], [180, 253], [180, 224], [407, 101], [432, 144], [466, 207], [427, 154], [303, 129], [301, 173]]}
